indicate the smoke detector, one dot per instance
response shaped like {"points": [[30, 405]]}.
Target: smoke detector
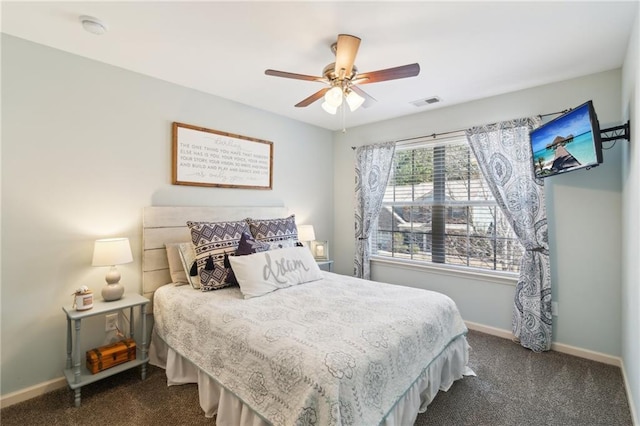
{"points": [[93, 25]]}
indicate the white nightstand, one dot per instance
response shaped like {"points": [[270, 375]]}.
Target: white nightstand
{"points": [[325, 265], [76, 372]]}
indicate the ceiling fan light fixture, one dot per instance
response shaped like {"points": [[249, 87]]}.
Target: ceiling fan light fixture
{"points": [[354, 100], [330, 109], [334, 97]]}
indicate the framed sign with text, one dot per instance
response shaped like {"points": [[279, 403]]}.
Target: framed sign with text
{"points": [[205, 157]]}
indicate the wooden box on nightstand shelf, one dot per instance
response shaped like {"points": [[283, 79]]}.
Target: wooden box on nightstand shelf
{"points": [[108, 356]]}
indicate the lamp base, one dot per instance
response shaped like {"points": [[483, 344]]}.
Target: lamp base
{"points": [[112, 292]]}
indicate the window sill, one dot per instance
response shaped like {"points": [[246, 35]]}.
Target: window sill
{"points": [[494, 277]]}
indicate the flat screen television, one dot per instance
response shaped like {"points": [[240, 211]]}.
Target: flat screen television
{"points": [[567, 143]]}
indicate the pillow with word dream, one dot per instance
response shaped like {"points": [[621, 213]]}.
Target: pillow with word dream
{"points": [[264, 272]]}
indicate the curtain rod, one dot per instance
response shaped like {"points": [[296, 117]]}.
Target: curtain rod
{"points": [[435, 135]]}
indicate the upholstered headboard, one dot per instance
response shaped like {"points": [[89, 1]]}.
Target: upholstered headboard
{"points": [[162, 225]]}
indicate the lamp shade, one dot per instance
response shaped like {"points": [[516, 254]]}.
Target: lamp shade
{"points": [[354, 100], [306, 233], [328, 108], [111, 251], [334, 97]]}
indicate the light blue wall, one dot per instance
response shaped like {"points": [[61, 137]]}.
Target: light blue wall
{"points": [[85, 146], [583, 208]]}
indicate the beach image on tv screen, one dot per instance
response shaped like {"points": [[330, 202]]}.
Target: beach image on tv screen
{"points": [[564, 144]]}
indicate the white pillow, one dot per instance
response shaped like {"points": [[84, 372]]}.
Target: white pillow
{"points": [[264, 272], [176, 269], [188, 260]]}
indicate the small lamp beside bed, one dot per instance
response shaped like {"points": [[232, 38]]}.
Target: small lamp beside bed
{"points": [[112, 252], [306, 234]]}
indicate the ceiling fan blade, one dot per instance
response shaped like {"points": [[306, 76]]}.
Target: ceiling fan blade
{"points": [[311, 99], [368, 99], [346, 50], [285, 74], [403, 71]]}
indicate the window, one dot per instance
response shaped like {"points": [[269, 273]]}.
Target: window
{"points": [[438, 209]]}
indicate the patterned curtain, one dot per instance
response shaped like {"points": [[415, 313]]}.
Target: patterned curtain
{"points": [[373, 164], [504, 157]]}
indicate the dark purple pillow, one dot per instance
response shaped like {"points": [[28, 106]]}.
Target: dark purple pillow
{"points": [[248, 245]]}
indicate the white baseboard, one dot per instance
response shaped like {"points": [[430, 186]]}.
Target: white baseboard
{"points": [[558, 347], [32, 392], [586, 353], [634, 414], [499, 332]]}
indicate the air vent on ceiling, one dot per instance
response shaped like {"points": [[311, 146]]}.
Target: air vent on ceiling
{"points": [[427, 101]]}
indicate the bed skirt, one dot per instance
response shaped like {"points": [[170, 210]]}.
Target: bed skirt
{"points": [[229, 410]]}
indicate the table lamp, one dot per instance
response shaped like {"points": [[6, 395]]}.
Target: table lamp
{"points": [[112, 252], [306, 234]]}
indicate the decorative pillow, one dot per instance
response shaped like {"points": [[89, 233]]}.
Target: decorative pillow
{"points": [[214, 242], [248, 245], [176, 270], [279, 233], [264, 272], [189, 265]]}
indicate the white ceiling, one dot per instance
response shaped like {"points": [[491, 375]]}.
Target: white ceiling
{"points": [[466, 50]]}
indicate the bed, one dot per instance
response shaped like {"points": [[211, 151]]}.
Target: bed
{"points": [[333, 350]]}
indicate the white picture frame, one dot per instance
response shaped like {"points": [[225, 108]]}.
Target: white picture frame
{"points": [[320, 250]]}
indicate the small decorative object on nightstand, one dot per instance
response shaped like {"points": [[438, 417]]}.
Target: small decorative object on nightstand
{"points": [[83, 299], [320, 250], [112, 252]]}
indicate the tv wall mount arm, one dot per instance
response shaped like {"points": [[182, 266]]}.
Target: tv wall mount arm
{"points": [[615, 133]]}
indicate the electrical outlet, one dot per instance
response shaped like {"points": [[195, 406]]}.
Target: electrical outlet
{"points": [[554, 309], [111, 322]]}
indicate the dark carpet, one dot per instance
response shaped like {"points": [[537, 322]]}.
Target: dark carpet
{"points": [[514, 387]]}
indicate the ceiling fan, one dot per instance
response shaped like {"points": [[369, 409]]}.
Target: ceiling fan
{"points": [[342, 77]]}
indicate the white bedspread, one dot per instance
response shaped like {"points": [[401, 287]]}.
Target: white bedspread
{"points": [[340, 351]]}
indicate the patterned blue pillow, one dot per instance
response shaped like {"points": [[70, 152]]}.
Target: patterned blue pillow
{"points": [[248, 245], [213, 242], [278, 233]]}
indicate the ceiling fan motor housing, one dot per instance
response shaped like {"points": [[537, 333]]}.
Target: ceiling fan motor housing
{"points": [[329, 73]]}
